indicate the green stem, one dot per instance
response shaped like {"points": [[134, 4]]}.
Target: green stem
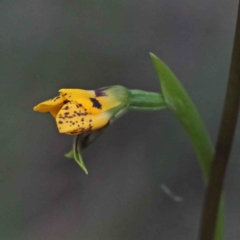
{"points": [[224, 143], [146, 101]]}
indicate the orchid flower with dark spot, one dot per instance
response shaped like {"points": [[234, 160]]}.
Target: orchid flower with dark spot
{"points": [[87, 113], [80, 111]]}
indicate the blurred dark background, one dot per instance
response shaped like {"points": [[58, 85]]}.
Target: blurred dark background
{"points": [[48, 45]]}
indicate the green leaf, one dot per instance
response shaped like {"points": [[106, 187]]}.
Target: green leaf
{"points": [[183, 108], [181, 105]]}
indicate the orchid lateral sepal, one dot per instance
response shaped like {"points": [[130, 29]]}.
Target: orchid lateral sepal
{"points": [[77, 154]]}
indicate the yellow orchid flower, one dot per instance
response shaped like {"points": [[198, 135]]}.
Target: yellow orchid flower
{"points": [[79, 111], [87, 113]]}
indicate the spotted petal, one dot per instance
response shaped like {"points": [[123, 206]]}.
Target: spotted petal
{"points": [[73, 119], [75, 94], [90, 100]]}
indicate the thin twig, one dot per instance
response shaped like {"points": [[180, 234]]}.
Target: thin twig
{"points": [[224, 143]]}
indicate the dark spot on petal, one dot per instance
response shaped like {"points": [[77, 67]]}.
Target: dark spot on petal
{"points": [[78, 105], [96, 103], [60, 122]]}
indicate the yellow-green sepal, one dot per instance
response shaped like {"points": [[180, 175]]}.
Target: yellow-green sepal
{"points": [[69, 154], [77, 154]]}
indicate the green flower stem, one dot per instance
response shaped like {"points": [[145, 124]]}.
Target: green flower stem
{"points": [[224, 142], [146, 101]]}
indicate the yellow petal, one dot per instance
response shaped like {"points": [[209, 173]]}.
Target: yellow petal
{"points": [[112, 96], [106, 102], [90, 100], [53, 105], [80, 96], [75, 94], [73, 119]]}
